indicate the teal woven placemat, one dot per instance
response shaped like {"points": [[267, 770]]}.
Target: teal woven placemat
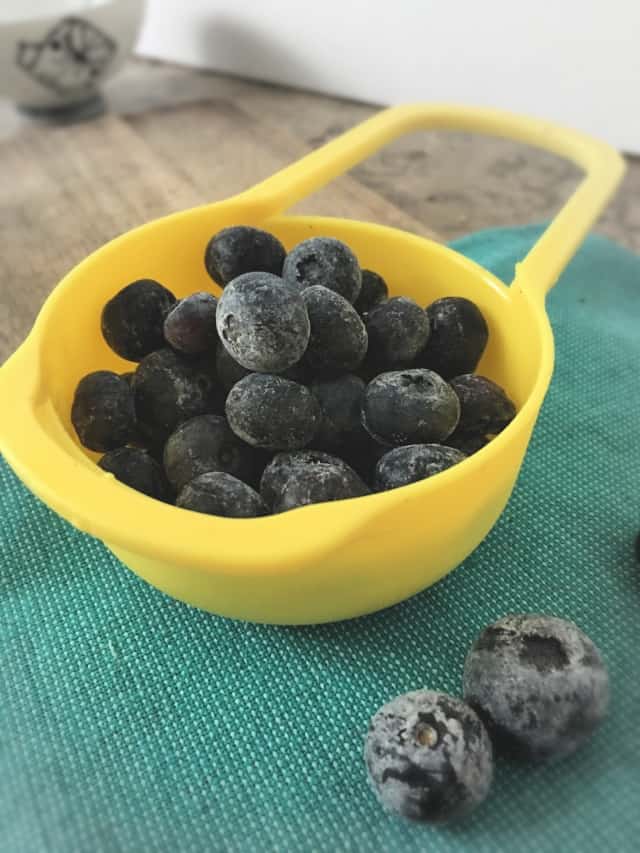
{"points": [[131, 722]]}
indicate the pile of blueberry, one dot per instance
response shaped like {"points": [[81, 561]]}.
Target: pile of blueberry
{"points": [[302, 383], [535, 688]]}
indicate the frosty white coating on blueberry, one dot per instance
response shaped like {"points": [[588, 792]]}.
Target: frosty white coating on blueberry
{"points": [[169, 389], [298, 479], [327, 262], [338, 338], [539, 683], [284, 465], [428, 757], [263, 322], [410, 407], [218, 493], [241, 249], [272, 412], [414, 462]]}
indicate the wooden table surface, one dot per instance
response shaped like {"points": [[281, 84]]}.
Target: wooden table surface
{"points": [[174, 138]]}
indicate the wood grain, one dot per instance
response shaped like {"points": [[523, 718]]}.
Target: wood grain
{"points": [[178, 137], [64, 191]]}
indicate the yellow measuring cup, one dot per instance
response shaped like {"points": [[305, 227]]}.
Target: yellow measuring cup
{"points": [[329, 561]]}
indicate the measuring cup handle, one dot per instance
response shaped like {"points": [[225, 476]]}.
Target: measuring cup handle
{"points": [[540, 269]]}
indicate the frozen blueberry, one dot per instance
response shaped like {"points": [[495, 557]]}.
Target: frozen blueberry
{"points": [[263, 322], [459, 335], [299, 479], [410, 407], [136, 468], [169, 389], [413, 462], [539, 684], [398, 330], [272, 412], [132, 321], [204, 444], [190, 326], [327, 262], [218, 493], [230, 372], [241, 249], [485, 409], [320, 484], [373, 291], [283, 466], [102, 412], [341, 406], [428, 757], [338, 339]]}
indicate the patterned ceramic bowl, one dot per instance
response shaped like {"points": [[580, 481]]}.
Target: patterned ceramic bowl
{"points": [[55, 54]]}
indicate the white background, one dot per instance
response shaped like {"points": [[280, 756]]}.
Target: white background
{"points": [[575, 61]]}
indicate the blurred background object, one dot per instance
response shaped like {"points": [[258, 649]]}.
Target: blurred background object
{"points": [[576, 62], [56, 54]]}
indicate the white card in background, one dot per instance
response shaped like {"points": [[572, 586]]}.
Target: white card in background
{"points": [[576, 61]]}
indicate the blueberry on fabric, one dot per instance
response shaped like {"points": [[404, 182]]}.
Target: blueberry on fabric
{"points": [[102, 412], [241, 249], [428, 757], [539, 683], [327, 262], [263, 322], [132, 321]]}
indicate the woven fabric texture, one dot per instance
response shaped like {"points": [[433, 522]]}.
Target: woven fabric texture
{"points": [[131, 722]]}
